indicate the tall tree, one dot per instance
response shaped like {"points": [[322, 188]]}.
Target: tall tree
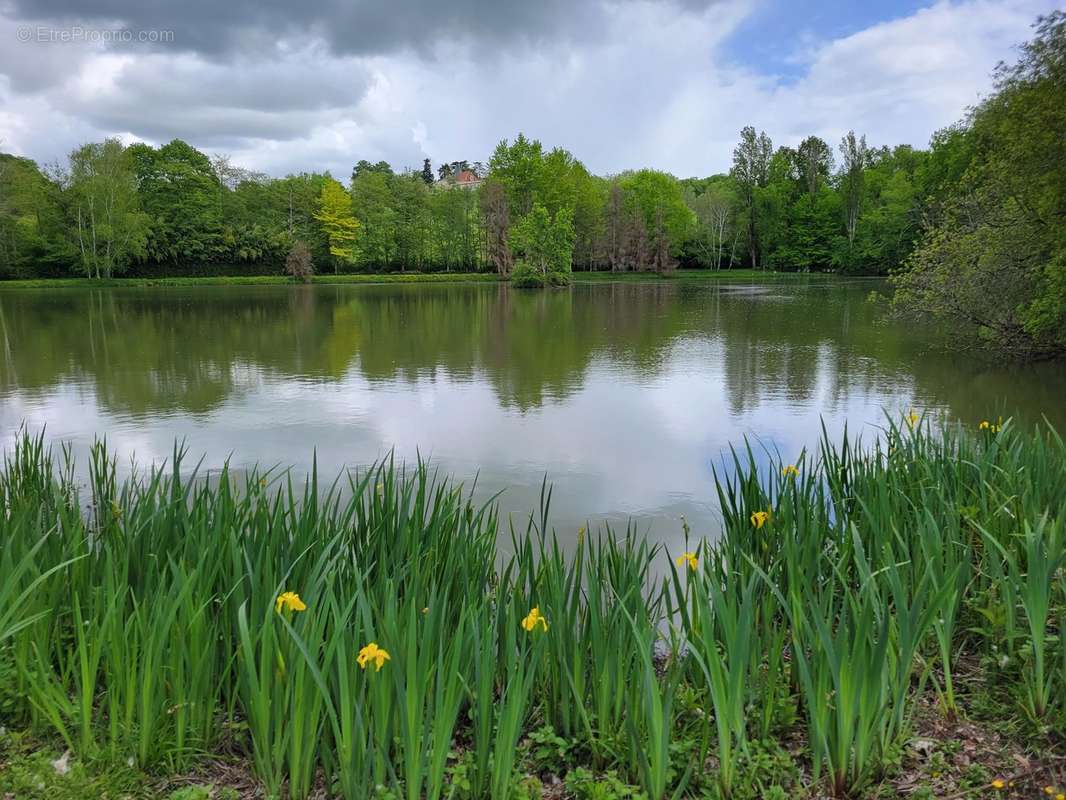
{"points": [[335, 216], [713, 229], [496, 219], [111, 228], [179, 190], [372, 200], [656, 197], [615, 228], [854, 159], [751, 168], [427, 172], [518, 167], [815, 161]]}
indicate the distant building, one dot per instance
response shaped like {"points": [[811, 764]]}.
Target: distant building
{"points": [[464, 179]]}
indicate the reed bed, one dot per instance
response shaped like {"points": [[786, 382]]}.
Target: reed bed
{"points": [[364, 640]]}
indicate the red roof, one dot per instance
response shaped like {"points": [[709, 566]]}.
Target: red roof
{"points": [[466, 176]]}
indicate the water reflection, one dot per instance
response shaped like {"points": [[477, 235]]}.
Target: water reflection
{"points": [[624, 394]]}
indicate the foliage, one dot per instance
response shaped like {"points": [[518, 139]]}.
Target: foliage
{"points": [[545, 243], [111, 229], [335, 215], [875, 568], [181, 193], [657, 198], [991, 262]]}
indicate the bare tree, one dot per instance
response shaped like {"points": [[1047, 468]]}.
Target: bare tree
{"points": [[615, 228], [299, 263], [662, 261], [713, 209]]}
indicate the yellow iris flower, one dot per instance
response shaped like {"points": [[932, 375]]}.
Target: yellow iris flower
{"points": [[533, 619], [372, 653], [760, 518], [790, 471], [690, 558], [289, 600], [912, 418]]}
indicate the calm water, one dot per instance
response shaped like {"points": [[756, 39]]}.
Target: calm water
{"points": [[624, 395]]}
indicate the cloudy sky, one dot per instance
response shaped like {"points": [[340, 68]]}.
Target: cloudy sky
{"points": [[284, 85]]}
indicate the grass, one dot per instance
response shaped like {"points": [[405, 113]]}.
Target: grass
{"points": [[740, 275], [254, 280], [877, 618]]}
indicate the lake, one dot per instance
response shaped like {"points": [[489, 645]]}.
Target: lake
{"points": [[625, 395]]}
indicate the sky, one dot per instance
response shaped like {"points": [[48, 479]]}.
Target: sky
{"points": [[283, 86]]}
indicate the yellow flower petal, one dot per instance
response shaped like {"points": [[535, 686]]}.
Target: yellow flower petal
{"points": [[689, 558], [372, 653], [533, 619], [290, 601]]}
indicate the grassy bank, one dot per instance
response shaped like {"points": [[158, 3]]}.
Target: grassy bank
{"points": [[395, 277], [873, 622], [256, 280]]}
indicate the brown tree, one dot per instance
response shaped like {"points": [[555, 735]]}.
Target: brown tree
{"points": [[496, 219], [614, 234], [661, 259], [299, 264]]}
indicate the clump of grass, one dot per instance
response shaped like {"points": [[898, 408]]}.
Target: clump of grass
{"points": [[365, 634]]}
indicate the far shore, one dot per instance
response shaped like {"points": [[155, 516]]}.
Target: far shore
{"points": [[401, 277]]}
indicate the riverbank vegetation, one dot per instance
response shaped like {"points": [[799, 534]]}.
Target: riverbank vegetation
{"points": [[875, 618], [175, 211], [992, 261]]}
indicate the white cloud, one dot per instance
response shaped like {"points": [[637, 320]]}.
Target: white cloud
{"points": [[654, 86]]}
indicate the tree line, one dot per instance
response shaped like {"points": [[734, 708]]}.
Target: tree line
{"points": [[113, 209]]}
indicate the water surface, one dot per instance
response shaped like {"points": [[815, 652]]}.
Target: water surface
{"points": [[625, 395]]}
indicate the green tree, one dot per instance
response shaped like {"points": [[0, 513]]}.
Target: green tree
{"points": [[993, 261], [338, 222], [815, 163], [372, 201], [110, 226], [751, 170], [518, 167], [544, 243], [33, 229], [854, 154], [411, 213], [179, 190], [658, 199]]}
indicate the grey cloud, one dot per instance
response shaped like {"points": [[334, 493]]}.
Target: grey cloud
{"points": [[364, 27], [157, 97]]}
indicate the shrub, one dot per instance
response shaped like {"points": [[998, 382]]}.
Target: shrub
{"points": [[526, 277], [298, 264]]}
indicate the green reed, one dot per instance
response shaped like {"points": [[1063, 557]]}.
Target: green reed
{"points": [[364, 636]]}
